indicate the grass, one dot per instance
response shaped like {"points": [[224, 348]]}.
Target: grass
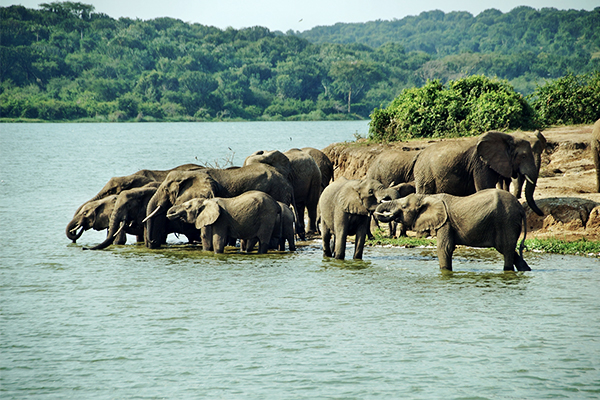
{"points": [[580, 247]]}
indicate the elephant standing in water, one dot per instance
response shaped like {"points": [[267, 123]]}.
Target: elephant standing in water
{"points": [[128, 213], [181, 186], [595, 145], [463, 167], [303, 174], [488, 218], [345, 209], [251, 215], [116, 185]]}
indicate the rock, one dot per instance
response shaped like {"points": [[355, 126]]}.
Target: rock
{"points": [[565, 214]]}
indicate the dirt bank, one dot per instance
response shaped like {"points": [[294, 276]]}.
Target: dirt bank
{"points": [[565, 189]]}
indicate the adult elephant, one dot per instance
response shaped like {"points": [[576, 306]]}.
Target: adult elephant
{"points": [[463, 167], [345, 208], [117, 184], [595, 145], [393, 166], [181, 186], [304, 175], [488, 218], [128, 213], [323, 162]]}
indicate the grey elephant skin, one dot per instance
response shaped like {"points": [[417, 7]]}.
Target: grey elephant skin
{"points": [[323, 162], [595, 145], [488, 218], [538, 142], [249, 216], [127, 216], [93, 214], [463, 167], [283, 232], [393, 167], [304, 175], [181, 186], [345, 208], [117, 184]]}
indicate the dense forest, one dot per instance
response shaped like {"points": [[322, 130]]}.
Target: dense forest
{"points": [[64, 61]]}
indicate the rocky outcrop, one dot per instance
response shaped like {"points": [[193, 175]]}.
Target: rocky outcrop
{"points": [[565, 217]]}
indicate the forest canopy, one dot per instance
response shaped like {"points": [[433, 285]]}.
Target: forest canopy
{"points": [[64, 61]]}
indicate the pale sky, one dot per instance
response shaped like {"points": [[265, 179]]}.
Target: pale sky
{"points": [[298, 15]]}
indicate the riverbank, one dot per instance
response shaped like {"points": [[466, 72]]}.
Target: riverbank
{"points": [[565, 188]]}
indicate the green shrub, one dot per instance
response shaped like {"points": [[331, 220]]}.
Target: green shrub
{"points": [[468, 106], [568, 100]]}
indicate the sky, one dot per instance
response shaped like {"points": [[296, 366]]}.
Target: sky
{"points": [[298, 15]]}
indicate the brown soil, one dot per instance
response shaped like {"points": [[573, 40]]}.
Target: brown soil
{"points": [[565, 189]]}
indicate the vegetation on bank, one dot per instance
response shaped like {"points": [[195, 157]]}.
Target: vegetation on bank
{"points": [[63, 61], [477, 104], [580, 247]]}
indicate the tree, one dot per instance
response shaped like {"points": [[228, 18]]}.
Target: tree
{"points": [[354, 76]]}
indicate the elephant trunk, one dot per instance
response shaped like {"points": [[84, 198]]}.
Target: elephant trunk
{"points": [[74, 230], [109, 238], [529, 189]]}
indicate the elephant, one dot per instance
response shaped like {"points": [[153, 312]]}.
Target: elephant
{"points": [[595, 145], [392, 166], [181, 186], [538, 142], [117, 184], [463, 167], [323, 162], [93, 214], [282, 232], [305, 177], [128, 213], [345, 208], [251, 215], [488, 218]]}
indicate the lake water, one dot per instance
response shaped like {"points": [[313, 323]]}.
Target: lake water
{"points": [[178, 323]]}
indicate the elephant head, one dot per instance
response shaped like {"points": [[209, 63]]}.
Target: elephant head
{"points": [[200, 212], [91, 215], [361, 197], [510, 157], [418, 212], [178, 187]]}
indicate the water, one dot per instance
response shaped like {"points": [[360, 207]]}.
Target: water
{"points": [[179, 323]]}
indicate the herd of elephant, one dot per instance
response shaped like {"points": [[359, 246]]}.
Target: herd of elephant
{"points": [[454, 189]]}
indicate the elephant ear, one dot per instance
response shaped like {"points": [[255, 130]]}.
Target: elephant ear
{"points": [[209, 214], [350, 200], [494, 148], [432, 214], [540, 143]]}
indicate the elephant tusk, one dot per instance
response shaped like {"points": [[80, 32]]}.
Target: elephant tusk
{"points": [[383, 214], [529, 180], [122, 225], [151, 214], [74, 230]]}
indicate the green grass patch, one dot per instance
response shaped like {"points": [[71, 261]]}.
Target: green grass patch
{"points": [[581, 247]]}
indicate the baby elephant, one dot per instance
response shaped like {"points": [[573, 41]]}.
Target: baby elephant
{"points": [[488, 218], [251, 215]]}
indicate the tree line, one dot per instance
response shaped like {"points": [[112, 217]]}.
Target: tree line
{"points": [[64, 61]]}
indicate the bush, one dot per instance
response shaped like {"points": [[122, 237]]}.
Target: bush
{"points": [[464, 107], [568, 100]]}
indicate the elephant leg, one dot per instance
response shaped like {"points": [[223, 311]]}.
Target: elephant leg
{"points": [[359, 242], [300, 227], [340, 245], [520, 263], [312, 218], [326, 237], [249, 245], [219, 242], [263, 246], [207, 240], [445, 248], [139, 238]]}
